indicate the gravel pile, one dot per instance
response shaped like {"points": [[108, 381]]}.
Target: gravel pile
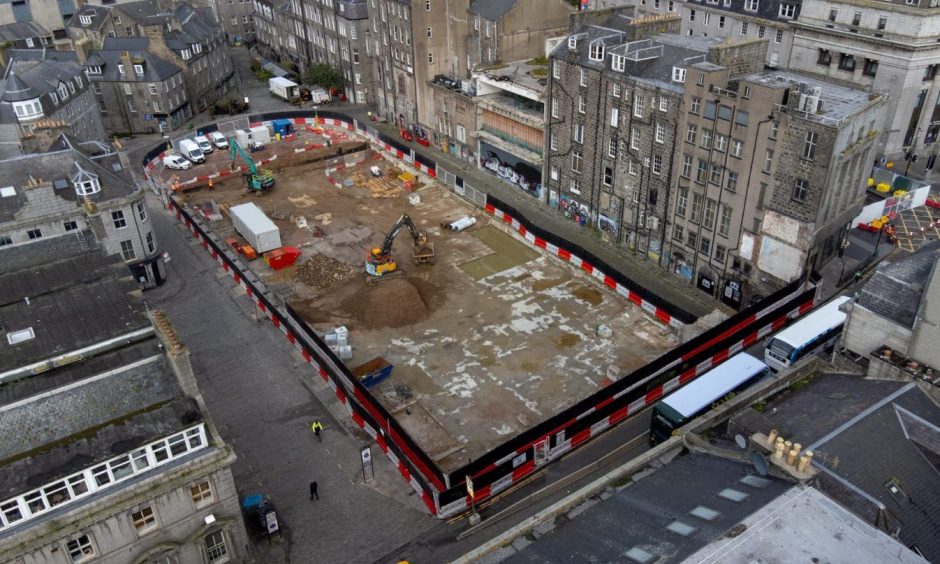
{"points": [[321, 271]]}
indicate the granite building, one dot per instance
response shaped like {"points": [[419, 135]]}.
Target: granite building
{"points": [[40, 84], [614, 122], [136, 90], [66, 188], [187, 37], [106, 449], [771, 168]]}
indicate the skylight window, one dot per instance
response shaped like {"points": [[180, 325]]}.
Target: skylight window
{"points": [[7, 192], [23, 335]]}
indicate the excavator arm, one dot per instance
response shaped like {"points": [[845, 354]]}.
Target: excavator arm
{"points": [[403, 221], [236, 150]]}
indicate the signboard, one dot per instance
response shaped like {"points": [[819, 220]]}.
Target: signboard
{"points": [[706, 284], [469, 487], [270, 522], [732, 294]]}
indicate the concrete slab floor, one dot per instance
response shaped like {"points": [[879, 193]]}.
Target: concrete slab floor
{"points": [[479, 356]]}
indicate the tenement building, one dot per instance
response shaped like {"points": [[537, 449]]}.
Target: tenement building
{"points": [[68, 188], [771, 168], [40, 84], [107, 453], [187, 36], [613, 122]]}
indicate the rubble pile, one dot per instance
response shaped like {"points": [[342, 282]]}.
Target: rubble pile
{"points": [[321, 271]]}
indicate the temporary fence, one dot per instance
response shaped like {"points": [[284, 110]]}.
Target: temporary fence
{"points": [[445, 493]]}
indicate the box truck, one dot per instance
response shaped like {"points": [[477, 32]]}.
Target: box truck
{"points": [[255, 227], [283, 88]]}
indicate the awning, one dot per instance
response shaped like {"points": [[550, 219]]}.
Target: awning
{"points": [[274, 69]]}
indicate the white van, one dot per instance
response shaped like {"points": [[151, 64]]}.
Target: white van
{"points": [[191, 151], [219, 140], [204, 145]]}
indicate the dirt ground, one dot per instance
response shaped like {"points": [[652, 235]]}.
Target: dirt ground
{"points": [[486, 342]]}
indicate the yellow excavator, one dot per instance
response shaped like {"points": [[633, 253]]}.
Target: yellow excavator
{"points": [[380, 265]]}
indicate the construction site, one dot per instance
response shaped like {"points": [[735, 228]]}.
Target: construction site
{"points": [[464, 332]]}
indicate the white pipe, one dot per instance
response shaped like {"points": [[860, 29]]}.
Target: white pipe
{"points": [[462, 223]]}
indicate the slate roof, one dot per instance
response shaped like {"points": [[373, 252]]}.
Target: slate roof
{"points": [[35, 73], [637, 515], [74, 415], [897, 440], [156, 69], [896, 289], [649, 60], [15, 89], [21, 30], [99, 16], [491, 9], [67, 299], [60, 165]]}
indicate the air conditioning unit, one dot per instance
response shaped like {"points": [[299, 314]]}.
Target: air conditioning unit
{"points": [[652, 222], [809, 104]]}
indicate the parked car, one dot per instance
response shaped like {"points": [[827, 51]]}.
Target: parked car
{"points": [[191, 151], [176, 162], [204, 145], [219, 140]]}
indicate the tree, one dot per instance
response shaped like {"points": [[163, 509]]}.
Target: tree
{"points": [[323, 74]]}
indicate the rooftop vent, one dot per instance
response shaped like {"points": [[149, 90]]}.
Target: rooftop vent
{"points": [[60, 184]]}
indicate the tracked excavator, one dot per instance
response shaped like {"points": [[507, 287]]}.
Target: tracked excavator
{"points": [[381, 266]]}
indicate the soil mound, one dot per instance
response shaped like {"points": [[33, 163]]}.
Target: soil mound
{"points": [[393, 303], [321, 271]]}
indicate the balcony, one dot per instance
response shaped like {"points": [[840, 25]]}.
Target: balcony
{"points": [[528, 112]]}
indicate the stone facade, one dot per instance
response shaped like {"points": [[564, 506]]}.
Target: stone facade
{"points": [[767, 189], [613, 126], [237, 19], [891, 50], [190, 38], [48, 205]]}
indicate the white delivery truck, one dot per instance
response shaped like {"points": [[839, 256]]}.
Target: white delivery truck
{"points": [[204, 144], [191, 151], [283, 88], [255, 227]]}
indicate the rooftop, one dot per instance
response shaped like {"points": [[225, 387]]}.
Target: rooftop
{"points": [[491, 9], [838, 101], [57, 167], [665, 516], [118, 395], [650, 60], [21, 30], [896, 289], [871, 437], [524, 78], [803, 525], [156, 69]]}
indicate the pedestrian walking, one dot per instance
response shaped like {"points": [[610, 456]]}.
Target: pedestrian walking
{"points": [[316, 427], [313, 491], [858, 275]]}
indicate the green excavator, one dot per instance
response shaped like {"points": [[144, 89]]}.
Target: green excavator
{"points": [[258, 179]]}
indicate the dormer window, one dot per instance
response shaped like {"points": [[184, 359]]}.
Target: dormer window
{"points": [[84, 182], [139, 69], [120, 68], [87, 187], [678, 74], [572, 42], [596, 52], [186, 54], [94, 70], [84, 19], [28, 109], [63, 91], [197, 47], [55, 98], [618, 63]]}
